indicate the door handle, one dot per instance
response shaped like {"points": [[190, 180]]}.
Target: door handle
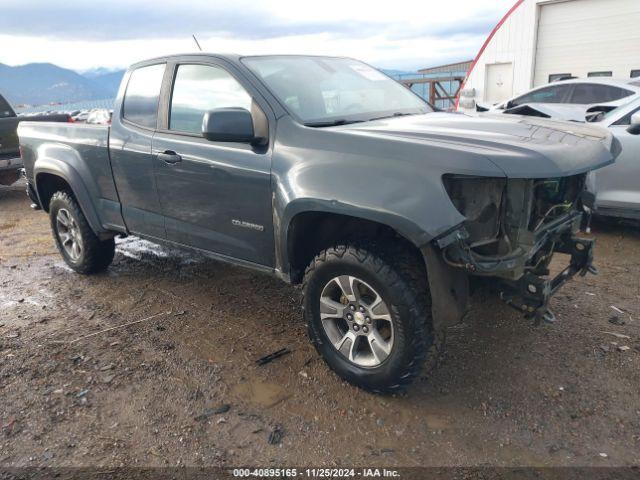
{"points": [[169, 156]]}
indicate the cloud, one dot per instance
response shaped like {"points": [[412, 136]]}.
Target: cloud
{"points": [[255, 20], [122, 21], [402, 34]]}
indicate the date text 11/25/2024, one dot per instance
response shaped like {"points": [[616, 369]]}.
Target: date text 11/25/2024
{"points": [[316, 472]]}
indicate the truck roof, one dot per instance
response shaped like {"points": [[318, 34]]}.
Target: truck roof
{"points": [[226, 56], [232, 57]]}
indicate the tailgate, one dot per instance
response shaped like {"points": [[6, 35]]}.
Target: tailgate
{"points": [[9, 138]]}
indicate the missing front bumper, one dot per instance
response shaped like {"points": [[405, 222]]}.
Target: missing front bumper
{"points": [[521, 278], [531, 293]]}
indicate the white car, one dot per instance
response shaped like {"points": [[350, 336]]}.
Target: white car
{"points": [[572, 100], [81, 117], [617, 186], [99, 117]]}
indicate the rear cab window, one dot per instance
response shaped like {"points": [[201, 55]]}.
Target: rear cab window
{"points": [[140, 105]]}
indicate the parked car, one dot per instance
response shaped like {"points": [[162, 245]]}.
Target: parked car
{"points": [[617, 187], [10, 161], [99, 117], [572, 99], [81, 116], [326, 173]]}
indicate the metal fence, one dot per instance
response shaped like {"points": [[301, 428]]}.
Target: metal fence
{"points": [[438, 88]]}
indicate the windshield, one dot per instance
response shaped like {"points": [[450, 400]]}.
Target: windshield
{"points": [[322, 91], [615, 111]]}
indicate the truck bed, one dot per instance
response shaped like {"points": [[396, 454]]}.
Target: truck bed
{"points": [[80, 154], [88, 142], [10, 161]]}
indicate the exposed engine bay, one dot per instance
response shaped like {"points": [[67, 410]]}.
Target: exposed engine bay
{"points": [[512, 229]]}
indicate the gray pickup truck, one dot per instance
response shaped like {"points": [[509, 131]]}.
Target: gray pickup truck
{"points": [[329, 174], [10, 161]]}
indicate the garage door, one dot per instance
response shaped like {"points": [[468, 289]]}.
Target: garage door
{"points": [[579, 37]]}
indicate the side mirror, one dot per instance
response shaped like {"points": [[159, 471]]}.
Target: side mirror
{"points": [[228, 125], [634, 128]]}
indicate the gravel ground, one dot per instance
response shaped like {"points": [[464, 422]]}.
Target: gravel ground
{"points": [[182, 387]]}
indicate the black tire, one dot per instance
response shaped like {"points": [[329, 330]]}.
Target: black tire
{"points": [[397, 278], [96, 255]]}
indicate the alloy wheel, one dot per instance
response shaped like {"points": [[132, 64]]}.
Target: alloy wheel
{"points": [[356, 320], [69, 234]]}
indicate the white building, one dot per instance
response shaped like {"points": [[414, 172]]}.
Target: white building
{"points": [[539, 41]]}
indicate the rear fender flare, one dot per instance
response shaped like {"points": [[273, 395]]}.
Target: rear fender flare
{"points": [[52, 166]]}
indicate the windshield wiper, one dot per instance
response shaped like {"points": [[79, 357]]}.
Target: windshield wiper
{"points": [[344, 121], [332, 123], [396, 114]]}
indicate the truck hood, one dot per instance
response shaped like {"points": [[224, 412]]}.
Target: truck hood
{"points": [[520, 146]]}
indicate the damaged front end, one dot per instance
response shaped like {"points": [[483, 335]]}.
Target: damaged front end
{"points": [[512, 229]]}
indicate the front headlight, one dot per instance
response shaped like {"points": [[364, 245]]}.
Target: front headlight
{"points": [[479, 199]]}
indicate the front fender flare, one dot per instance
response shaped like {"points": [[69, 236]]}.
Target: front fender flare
{"points": [[282, 223]]}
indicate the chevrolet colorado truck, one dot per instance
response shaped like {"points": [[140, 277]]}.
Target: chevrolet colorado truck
{"points": [[328, 174], [10, 161]]}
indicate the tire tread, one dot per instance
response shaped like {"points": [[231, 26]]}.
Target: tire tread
{"points": [[398, 269], [98, 254]]}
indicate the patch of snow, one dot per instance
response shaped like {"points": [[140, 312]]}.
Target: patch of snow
{"points": [[63, 266], [136, 248]]}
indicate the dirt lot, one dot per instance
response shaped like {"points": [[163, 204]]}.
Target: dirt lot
{"points": [[507, 393]]}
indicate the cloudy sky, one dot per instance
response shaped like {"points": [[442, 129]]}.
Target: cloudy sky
{"points": [[400, 34]]}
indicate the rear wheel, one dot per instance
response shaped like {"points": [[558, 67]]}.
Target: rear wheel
{"points": [[368, 315], [80, 247]]}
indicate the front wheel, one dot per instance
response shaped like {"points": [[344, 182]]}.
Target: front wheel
{"points": [[368, 315], [81, 249]]}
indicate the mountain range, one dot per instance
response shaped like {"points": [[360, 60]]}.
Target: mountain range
{"points": [[44, 83]]}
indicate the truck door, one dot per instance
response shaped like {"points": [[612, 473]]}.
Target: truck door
{"points": [[215, 196], [130, 151]]}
